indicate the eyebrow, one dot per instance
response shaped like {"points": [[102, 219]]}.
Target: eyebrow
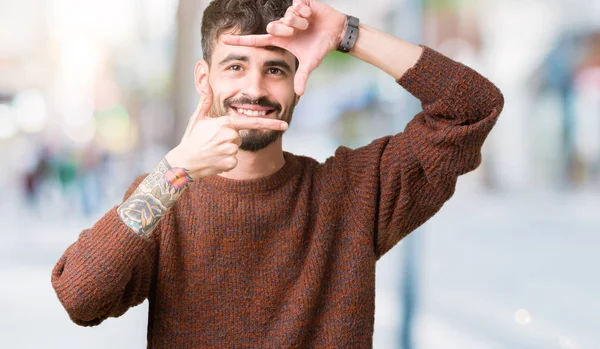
{"points": [[234, 57], [270, 63]]}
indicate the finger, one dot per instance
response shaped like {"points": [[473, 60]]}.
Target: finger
{"points": [[206, 100], [235, 138], [249, 40], [305, 2], [279, 28], [241, 123], [229, 149], [202, 111], [229, 163], [302, 9], [293, 20], [193, 120], [300, 80], [189, 127], [229, 135], [299, 83]]}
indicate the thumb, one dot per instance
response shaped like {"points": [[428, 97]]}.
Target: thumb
{"points": [[206, 100], [202, 110], [203, 88], [206, 94], [301, 78]]}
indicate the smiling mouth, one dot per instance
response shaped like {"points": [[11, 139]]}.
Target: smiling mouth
{"points": [[252, 113]]}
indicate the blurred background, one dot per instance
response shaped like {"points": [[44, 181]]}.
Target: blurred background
{"points": [[94, 93]]}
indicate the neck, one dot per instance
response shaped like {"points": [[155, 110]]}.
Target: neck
{"points": [[253, 165]]}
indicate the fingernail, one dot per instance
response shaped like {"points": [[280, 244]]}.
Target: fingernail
{"points": [[284, 125]]}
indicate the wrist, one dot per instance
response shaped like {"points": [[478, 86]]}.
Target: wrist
{"points": [[174, 159], [177, 159], [342, 31]]}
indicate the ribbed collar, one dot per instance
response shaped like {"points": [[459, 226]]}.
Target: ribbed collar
{"points": [[259, 185]]}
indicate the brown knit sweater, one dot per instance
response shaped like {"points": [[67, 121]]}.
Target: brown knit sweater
{"points": [[286, 261]]}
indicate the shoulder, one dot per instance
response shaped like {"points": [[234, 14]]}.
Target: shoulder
{"points": [[348, 158], [302, 161]]}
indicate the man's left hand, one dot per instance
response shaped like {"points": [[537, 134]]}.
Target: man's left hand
{"points": [[309, 30]]}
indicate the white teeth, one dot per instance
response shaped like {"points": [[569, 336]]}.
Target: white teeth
{"points": [[252, 112]]}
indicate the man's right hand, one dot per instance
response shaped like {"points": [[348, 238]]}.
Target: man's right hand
{"points": [[210, 144]]}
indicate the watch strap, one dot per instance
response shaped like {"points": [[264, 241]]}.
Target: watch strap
{"points": [[350, 35]]}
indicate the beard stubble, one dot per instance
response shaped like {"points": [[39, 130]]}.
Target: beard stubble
{"points": [[255, 140]]}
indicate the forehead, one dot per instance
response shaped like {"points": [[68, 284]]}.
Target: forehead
{"points": [[254, 54]]}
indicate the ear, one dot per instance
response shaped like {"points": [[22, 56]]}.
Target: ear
{"points": [[201, 78]]}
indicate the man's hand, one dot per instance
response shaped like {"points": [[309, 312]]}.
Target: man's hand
{"points": [[309, 30], [209, 145]]}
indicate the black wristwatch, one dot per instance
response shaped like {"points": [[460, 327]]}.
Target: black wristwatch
{"points": [[350, 35]]}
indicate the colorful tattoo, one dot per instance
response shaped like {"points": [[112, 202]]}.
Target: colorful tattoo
{"points": [[153, 197]]}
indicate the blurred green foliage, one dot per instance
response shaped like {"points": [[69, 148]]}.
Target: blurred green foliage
{"points": [[443, 4]]}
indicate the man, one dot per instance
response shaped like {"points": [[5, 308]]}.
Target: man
{"points": [[238, 244]]}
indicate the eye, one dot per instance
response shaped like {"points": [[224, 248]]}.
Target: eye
{"points": [[235, 67], [275, 71]]}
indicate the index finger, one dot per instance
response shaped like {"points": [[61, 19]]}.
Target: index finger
{"points": [[189, 127], [249, 40], [240, 123]]}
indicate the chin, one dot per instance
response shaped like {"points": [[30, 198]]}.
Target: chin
{"points": [[255, 140]]}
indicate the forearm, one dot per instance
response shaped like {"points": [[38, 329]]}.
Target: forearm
{"points": [[388, 53], [154, 197], [454, 90], [105, 272]]}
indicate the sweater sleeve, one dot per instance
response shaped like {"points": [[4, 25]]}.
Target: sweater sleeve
{"points": [[106, 271], [398, 182]]}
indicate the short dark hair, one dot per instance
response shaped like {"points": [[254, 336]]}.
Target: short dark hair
{"points": [[249, 17]]}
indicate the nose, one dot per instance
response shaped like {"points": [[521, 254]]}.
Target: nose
{"points": [[254, 86]]}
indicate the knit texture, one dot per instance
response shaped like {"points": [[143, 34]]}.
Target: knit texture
{"points": [[286, 261]]}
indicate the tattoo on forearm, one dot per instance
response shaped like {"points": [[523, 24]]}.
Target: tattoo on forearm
{"points": [[153, 197]]}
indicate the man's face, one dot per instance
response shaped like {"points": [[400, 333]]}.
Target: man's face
{"points": [[253, 82]]}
